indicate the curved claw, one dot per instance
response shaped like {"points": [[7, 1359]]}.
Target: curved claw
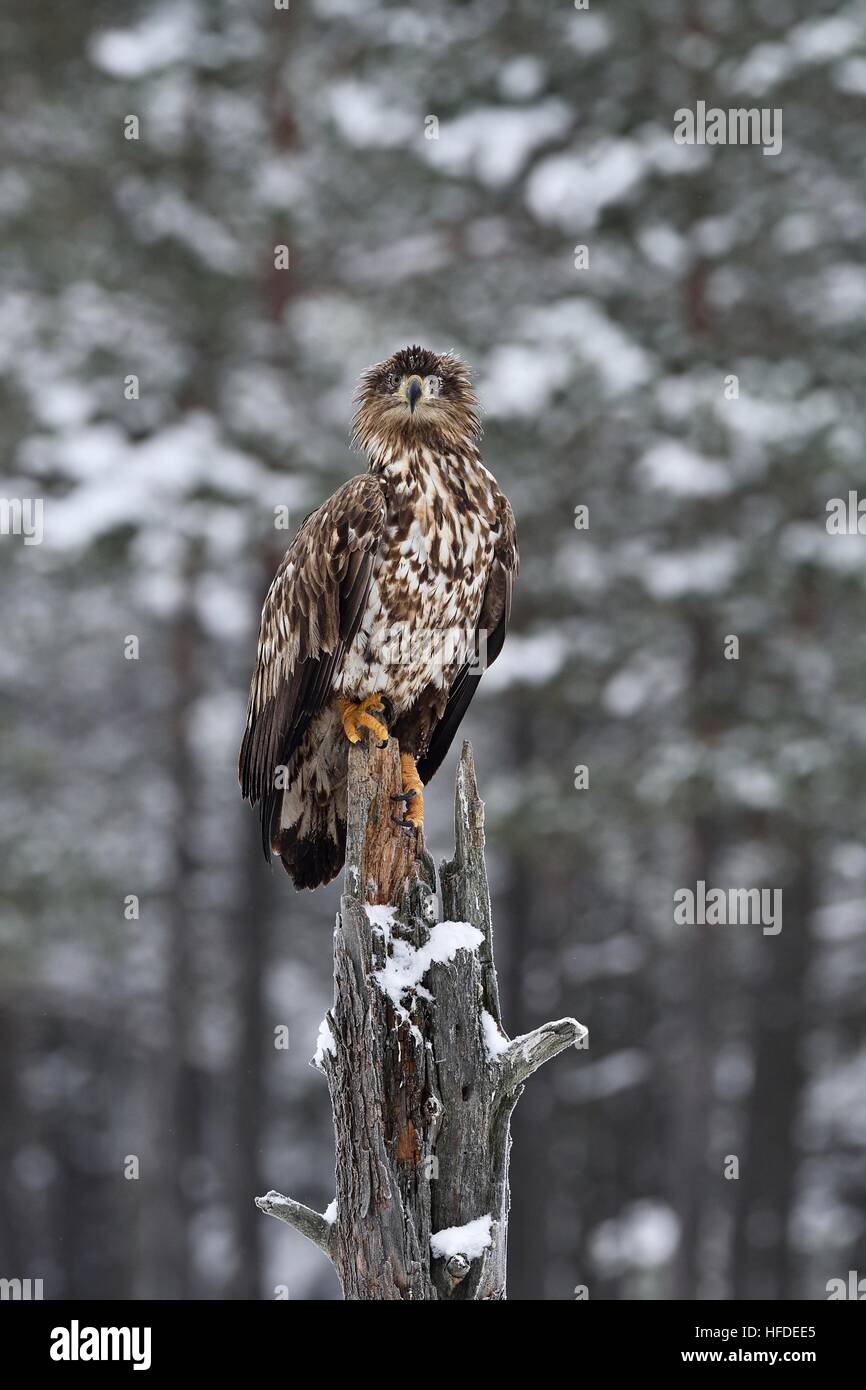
{"points": [[404, 796], [403, 824], [356, 718]]}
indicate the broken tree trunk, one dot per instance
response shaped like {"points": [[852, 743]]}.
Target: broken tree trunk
{"points": [[422, 1078]]}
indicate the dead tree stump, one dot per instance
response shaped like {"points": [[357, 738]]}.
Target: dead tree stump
{"points": [[422, 1078]]}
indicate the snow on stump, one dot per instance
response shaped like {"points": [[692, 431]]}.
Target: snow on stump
{"points": [[422, 1078]]}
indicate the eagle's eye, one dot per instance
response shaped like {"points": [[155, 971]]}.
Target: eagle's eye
{"points": [[392, 381], [434, 385]]}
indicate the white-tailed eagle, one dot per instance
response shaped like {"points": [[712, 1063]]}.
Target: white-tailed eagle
{"points": [[390, 601]]}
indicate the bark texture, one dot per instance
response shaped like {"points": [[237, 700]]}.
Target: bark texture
{"points": [[422, 1078]]}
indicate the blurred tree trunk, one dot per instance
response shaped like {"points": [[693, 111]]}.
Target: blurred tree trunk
{"points": [[248, 1073], [693, 1089], [699, 966], [14, 1040], [765, 1190], [176, 1089], [527, 1227], [247, 1080]]}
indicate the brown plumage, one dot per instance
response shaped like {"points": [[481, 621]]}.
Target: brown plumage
{"points": [[389, 589]]}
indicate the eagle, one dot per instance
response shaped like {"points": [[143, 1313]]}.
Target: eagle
{"points": [[390, 602]]}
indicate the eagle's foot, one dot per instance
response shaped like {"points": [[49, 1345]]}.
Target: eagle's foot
{"points": [[412, 796], [363, 716]]}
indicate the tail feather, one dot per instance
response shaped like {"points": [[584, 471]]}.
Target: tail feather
{"points": [[312, 858], [269, 809]]}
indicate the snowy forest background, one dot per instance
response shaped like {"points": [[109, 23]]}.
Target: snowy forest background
{"points": [[603, 386]]}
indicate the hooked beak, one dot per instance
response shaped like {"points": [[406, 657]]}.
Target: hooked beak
{"points": [[413, 392]]}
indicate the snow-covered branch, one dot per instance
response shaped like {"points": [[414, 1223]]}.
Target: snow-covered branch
{"points": [[527, 1053], [311, 1224]]}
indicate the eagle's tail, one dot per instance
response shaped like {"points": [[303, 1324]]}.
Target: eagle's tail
{"points": [[269, 810], [314, 856]]}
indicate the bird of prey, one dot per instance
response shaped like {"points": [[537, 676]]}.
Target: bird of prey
{"points": [[390, 601]]}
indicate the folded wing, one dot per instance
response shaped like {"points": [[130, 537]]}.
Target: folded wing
{"points": [[310, 618], [493, 624]]}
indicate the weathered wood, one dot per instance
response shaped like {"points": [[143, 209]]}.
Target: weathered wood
{"points": [[310, 1223], [385, 853], [422, 1080]]}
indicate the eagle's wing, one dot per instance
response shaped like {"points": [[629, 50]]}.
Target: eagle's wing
{"points": [[493, 619], [310, 618]]}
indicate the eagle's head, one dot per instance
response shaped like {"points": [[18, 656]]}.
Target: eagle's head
{"points": [[416, 397]]}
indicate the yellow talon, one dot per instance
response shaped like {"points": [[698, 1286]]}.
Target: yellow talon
{"points": [[412, 796], [358, 717]]}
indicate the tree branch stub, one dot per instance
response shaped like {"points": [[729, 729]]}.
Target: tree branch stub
{"points": [[311, 1224]]}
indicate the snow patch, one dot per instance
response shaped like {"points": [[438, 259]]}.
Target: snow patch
{"points": [[164, 37], [572, 190], [521, 379], [706, 569], [138, 485], [330, 1212], [470, 1240], [530, 659], [496, 1041], [324, 1043], [493, 142], [671, 466], [644, 1236], [366, 119], [588, 33], [407, 965], [381, 917]]}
